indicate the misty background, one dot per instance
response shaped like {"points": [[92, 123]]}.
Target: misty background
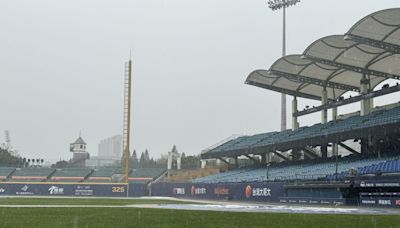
{"points": [[62, 69]]}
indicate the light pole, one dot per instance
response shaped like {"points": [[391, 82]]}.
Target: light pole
{"points": [[277, 5]]}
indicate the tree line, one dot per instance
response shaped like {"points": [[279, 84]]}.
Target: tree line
{"points": [[135, 161], [145, 161]]}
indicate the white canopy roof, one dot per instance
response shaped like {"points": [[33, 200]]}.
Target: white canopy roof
{"points": [[339, 62]]}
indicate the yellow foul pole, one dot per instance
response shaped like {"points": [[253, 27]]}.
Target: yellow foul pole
{"points": [[127, 119]]}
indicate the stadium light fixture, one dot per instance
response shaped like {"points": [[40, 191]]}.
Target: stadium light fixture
{"points": [[277, 5]]}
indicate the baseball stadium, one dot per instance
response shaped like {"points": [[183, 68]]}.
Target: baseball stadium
{"points": [[343, 171]]}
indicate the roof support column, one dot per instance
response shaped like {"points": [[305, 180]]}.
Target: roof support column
{"points": [[264, 158], [324, 100], [295, 124], [218, 162], [236, 161], [365, 104], [203, 163], [335, 149], [371, 104], [324, 119]]}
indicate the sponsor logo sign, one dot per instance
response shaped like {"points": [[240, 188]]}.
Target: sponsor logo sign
{"points": [[303, 201], [248, 191], [368, 201], [83, 190], [257, 192], [198, 191], [338, 202], [384, 202], [24, 191], [221, 191], [364, 184], [54, 190], [325, 202], [394, 184], [25, 188], [178, 191]]}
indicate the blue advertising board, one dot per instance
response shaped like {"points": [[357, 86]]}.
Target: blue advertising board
{"points": [[259, 191], [308, 200], [380, 201], [71, 189], [377, 183]]}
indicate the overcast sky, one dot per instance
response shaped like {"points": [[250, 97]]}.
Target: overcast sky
{"points": [[62, 68]]}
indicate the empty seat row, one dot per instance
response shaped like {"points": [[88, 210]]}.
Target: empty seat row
{"points": [[381, 117], [308, 171]]}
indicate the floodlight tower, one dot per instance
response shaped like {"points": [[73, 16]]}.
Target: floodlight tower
{"points": [[277, 5]]}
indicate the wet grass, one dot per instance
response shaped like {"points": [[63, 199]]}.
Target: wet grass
{"points": [[134, 217]]}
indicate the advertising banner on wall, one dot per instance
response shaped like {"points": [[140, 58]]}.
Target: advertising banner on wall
{"points": [[319, 201], [380, 201], [62, 189], [377, 183], [262, 191]]}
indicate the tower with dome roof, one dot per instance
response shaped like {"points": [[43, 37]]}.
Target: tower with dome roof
{"points": [[80, 155]]}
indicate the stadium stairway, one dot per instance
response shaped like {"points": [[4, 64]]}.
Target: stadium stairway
{"points": [[88, 175], [6, 173], [50, 175]]}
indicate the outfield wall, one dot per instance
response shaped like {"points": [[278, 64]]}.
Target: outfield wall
{"points": [[256, 191], [72, 189], [267, 191]]}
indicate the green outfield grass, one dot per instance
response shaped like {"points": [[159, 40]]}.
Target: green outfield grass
{"points": [[137, 217], [81, 201], [133, 217]]}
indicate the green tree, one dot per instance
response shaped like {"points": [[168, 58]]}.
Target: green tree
{"points": [[190, 162], [60, 164], [7, 159], [134, 159]]}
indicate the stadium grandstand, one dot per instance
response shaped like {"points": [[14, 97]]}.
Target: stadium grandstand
{"points": [[358, 61], [99, 175], [317, 161]]}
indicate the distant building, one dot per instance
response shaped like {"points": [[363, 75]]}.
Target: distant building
{"points": [[80, 155], [109, 153], [110, 148]]}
